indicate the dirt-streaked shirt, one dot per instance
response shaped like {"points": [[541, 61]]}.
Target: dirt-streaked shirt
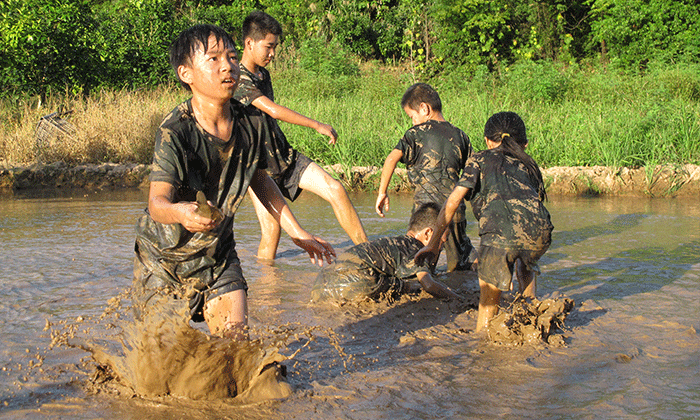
{"points": [[190, 159], [279, 153], [505, 202], [370, 269], [434, 153]]}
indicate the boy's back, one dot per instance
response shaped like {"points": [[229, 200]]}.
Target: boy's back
{"points": [[434, 153]]}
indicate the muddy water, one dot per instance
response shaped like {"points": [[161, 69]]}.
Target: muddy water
{"points": [[632, 348]]}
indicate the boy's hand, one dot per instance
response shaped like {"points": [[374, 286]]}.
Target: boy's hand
{"points": [[382, 204], [317, 249], [190, 218], [426, 254], [327, 130]]}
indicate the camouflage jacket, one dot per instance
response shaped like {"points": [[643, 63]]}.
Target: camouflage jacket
{"points": [[505, 202], [434, 154], [279, 153], [190, 159]]}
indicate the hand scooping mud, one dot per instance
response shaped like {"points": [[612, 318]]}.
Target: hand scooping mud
{"points": [[205, 209]]}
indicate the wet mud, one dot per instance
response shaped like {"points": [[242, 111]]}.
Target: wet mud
{"points": [[614, 332]]}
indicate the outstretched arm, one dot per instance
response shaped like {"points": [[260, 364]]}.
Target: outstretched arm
{"points": [[285, 114], [270, 196], [382, 203], [162, 209], [431, 251], [435, 287]]}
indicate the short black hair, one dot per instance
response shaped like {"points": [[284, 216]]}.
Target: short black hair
{"points": [[425, 216], [421, 92], [258, 24], [185, 45]]}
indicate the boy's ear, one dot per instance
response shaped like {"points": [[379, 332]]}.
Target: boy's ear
{"points": [[425, 108], [184, 73], [248, 44]]}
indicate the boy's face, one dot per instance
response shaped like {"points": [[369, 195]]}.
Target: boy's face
{"points": [[213, 73], [420, 115], [262, 51]]}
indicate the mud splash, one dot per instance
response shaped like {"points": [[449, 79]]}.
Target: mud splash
{"points": [[531, 321], [161, 356]]}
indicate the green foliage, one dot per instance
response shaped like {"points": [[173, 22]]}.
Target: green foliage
{"points": [[537, 81], [134, 40], [327, 68], [47, 45], [634, 32]]}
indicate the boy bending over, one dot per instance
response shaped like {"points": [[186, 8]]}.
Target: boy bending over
{"points": [[383, 267]]}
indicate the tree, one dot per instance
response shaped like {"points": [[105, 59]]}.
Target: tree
{"points": [[46, 45]]}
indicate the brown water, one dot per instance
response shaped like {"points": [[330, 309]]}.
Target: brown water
{"points": [[632, 265]]}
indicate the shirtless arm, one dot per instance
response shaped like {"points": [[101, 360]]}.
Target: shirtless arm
{"points": [[285, 114], [390, 163]]}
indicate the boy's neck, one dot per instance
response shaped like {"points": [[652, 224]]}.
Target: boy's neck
{"points": [[214, 116], [248, 62], [436, 116]]}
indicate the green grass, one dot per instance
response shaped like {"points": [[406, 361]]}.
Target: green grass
{"points": [[574, 116]]}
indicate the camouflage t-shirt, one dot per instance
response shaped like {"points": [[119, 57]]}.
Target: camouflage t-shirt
{"points": [[190, 159], [369, 270], [434, 153], [505, 202], [280, 154]]}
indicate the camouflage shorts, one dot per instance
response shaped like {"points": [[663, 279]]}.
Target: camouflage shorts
{"points": [[288, 182], [496, 265]]}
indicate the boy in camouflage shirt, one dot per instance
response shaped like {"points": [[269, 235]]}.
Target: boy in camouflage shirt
{"points": [[383, 267], [434, 152], [185, 250], [291, 170]]}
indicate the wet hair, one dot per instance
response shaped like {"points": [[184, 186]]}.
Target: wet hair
{"points": [[508, 129], [257, 25], [185, 45], [425, 216], [421, 92]]}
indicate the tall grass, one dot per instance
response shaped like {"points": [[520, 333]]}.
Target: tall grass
{"points": [[574, 116]]}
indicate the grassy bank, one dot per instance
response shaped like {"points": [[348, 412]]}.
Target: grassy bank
{"points": [[575, 117]]}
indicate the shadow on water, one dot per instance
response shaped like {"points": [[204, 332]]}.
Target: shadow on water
{"points": [[617, 225], [629, 272]]}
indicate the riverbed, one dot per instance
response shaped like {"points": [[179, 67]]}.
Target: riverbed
{"points": [[631, 347]]}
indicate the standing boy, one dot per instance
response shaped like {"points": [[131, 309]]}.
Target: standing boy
{"points": [[291, 170], [383, 267], [434, 152], [184, 249]]}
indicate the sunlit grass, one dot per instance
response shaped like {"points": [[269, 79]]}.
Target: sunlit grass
{"points": [[590, 117]]}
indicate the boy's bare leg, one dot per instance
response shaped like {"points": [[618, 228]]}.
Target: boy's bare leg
{"points": [[319, 182], [270, 230], [527, 280], [227, 315], [489, 297]]}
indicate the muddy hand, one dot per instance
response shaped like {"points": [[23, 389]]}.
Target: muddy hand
{"points": [[206, 209], [424, 255], [317, 248]]}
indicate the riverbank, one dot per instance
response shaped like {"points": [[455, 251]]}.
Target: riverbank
{"points": [[662, 181]]}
